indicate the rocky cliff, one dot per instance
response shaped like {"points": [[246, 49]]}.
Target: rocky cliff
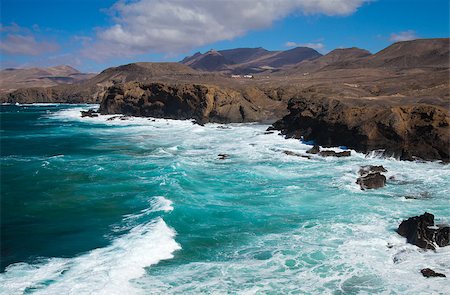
{"points": [[204, 103], [405, 130]]}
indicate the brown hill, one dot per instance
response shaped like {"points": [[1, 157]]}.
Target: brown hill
{"points": [[12, 79], [341, 55], [421, 53]]}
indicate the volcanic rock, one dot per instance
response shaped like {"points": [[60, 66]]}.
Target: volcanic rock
{"points": [[405, 131], [202, 103], [328, 153], [314, 150], [372, 181], [89, 113], [421, 231], [428, 272], [364, 170]]}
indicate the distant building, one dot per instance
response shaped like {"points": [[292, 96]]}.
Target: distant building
{"points": [[235, 76], [248, 76]]}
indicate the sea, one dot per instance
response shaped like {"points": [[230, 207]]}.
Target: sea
{"points": [[124, 205]]}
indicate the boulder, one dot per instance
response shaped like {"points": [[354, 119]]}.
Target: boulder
{"points": [[421, 231], [372, 181], [428, 272]]}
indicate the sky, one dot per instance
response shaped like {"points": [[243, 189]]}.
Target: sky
{"points": [[92, 35]]}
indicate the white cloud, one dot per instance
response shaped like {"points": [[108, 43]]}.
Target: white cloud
{"points": [[173, 26], [26, 45], [317, 46], [403, 36]]}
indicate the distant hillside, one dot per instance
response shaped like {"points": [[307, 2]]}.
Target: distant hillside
{"points": [[11, 79], [248, 60], [420, 53], [342, 56]]}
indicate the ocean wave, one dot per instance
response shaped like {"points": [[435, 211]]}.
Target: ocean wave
{"points": [[108, 270]]}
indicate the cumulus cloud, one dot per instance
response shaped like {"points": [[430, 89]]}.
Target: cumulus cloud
{"points": [[18, 44], [317, 46], [173, 26], [403, 36]]}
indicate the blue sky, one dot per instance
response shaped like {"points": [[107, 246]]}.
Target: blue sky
{"points": [[92, 35]]}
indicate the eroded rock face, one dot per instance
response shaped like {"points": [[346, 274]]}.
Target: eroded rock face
{"points": [[405, 131], [421, 231], [189, 101]]}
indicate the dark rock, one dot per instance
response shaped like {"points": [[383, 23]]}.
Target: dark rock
{"points": [[420, 231], [428, 272], [405, 131], [89, 113], [223, 156], [314, 150], [269, 132], [371, 169], [113, 118], [372, 181], [335, 154], [201, 103], [291, 153]]}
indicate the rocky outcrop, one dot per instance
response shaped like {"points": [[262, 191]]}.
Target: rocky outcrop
{"points": [[428, 272], [372, 181], [406, 131], [371, 177], [422, 232], [203, 103]]}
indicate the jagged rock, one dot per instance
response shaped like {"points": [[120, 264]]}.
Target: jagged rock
{"points": [[89, 113], [421, 231], [372, 181], [335, 154], [428, 272], [405, 131], [371, 169], [314, 150]]}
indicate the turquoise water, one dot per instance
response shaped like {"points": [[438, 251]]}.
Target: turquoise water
{"points": [[142, 206]]}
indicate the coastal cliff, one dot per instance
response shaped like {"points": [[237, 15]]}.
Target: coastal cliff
{"points": [[404, 130], [203, 103]]}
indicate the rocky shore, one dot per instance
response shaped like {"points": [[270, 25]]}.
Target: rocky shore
{"points": [[203, 103], [406, 130]]}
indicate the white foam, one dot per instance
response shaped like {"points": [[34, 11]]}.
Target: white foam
{"points": [[108, 270]]}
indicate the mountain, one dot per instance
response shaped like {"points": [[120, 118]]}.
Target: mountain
{"points": [[248, 60], [420, 53], [12, 79], [341, 55]]}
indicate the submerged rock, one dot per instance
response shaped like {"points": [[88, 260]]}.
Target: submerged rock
{"points": [[421, 231], [89, 113], [291, 153], [372, 181], [223, 156], [328, 153], [428, 272]]}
